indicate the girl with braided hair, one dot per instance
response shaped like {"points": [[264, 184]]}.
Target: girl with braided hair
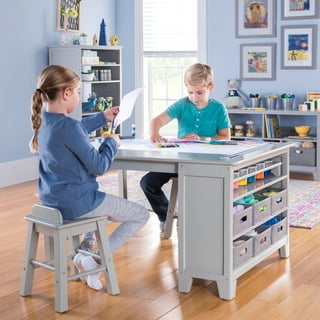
{"points": [[69, 164]]}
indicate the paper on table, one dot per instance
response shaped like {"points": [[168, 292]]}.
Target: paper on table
{"points": [[181, 140], [126, 106], [207, 140]]}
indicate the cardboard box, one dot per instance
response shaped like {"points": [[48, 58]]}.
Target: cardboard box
{"points": [[262, 240], [242, 250], [262, 209], [90, 60], [278, 230], [303, 156], [242, 220], [279, 200]]}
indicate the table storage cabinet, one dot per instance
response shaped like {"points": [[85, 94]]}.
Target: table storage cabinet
{"points": [[213, 243], [216, 244]]}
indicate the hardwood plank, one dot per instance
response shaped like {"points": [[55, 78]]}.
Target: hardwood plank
{"points": [[147, 268]]}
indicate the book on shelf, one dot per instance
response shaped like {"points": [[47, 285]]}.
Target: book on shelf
{"points": [[272, 123], [302, 138]]}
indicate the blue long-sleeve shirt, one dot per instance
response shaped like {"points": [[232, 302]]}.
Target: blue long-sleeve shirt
{"points": [[69, 164]]}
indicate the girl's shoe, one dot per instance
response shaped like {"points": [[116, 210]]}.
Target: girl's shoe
{"points": [[77, 261], [88, 263]]}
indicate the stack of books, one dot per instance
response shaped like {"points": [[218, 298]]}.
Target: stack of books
{"points": [[272, 123]]}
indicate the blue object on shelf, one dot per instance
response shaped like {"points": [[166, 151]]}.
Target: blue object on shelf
{"points": [[91, 105], [102, 36], [272, 221]]}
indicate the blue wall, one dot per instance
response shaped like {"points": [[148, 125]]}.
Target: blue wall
{"points": [[224, 55], [29, 31], [125, 29], [26, 35]]}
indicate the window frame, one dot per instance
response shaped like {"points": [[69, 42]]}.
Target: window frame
{"points": [[139, 55]]}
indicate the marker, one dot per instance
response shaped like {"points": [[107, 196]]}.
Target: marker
{"points": [[222, 142], [113, 129], [167, 145]]}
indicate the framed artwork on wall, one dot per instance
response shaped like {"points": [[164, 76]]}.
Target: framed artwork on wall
{"points": [[257, 61], [255, 18], [68, 15], [298, 47], [299, 9]]}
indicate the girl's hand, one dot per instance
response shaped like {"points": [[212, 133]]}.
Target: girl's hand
{"points": [[111, 113], [116, 138], [192, 136]]}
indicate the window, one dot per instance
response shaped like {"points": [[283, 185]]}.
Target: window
{"points": [[170, 42]]}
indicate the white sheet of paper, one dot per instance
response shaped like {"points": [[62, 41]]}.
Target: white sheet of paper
{"points": [[127, 106]]}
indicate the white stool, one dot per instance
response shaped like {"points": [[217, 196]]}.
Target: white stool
{"points": [[49, 222], [171, 213]]}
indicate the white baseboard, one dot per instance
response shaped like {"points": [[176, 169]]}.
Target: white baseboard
{"points": [[18, 171]]}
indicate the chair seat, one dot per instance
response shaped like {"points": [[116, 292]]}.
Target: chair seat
{"points": [[57, 234]]}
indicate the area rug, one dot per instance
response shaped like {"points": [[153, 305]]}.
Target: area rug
{"points": [[304, 197], [109, 183], [304, 203]]}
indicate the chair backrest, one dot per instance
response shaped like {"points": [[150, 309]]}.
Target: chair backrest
{"points": [[45, 213]]}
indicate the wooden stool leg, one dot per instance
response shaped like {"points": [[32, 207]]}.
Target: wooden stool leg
{"points": [[30, 253], [171, 209], [107, 259], [74, 245], [60, 273], [48, 248]]}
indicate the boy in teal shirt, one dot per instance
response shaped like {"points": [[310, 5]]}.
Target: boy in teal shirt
{"points": [[199, 117]]}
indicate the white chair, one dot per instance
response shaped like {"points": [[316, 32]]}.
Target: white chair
{"points": [[171, 213], [57, 232]]}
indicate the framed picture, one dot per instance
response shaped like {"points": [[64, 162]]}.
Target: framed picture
{"points": [[299, 9], [257, 61], [68, 15], [298, 47], [255, 18]]}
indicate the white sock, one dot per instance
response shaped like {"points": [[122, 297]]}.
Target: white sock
{"points": [[77, 261], [93, 281]]}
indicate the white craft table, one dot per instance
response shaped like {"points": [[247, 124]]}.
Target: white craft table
{"points": [[206, 197]]}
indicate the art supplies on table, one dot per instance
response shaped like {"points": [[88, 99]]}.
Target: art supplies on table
{"points": [[166, 145], [224, 142]]}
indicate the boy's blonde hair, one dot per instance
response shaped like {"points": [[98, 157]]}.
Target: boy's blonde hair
{"points": [[52, 80], [199, 74]]}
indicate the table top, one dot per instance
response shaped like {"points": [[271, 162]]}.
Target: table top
{"points": [[144, 150]]}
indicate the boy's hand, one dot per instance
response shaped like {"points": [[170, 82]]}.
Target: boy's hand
{"points": [[192, 136], [155, 137]]}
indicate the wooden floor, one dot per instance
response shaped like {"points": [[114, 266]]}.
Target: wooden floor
{"points": [[147, 272]]}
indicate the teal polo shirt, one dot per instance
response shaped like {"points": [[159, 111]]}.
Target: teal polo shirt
{"points": [[204, 122]]}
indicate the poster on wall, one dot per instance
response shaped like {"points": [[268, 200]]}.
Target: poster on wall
{"points": [[299, 9], [255, 18], [257, 62], [298, 47], [68, 15]]}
